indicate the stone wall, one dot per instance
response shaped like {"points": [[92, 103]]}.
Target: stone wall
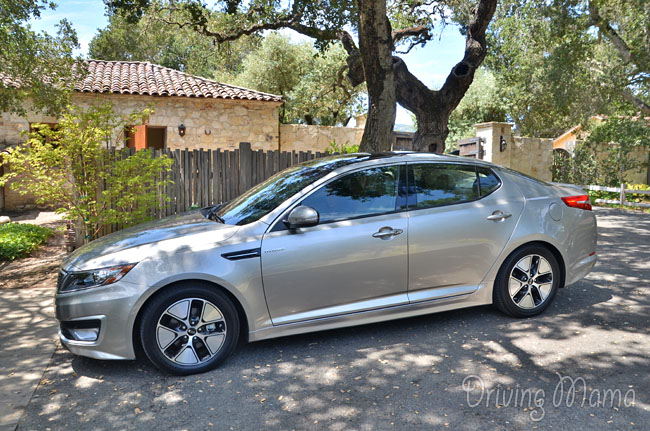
{"points": [[533, 156], [209, 123], [12, 128], [641, 175], [300, 137], [640, 155], [530, 156]]}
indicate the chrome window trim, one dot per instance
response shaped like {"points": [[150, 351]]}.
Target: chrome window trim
{"points": [[301, 195], [473, 165], [278, 221], [494, 172]]}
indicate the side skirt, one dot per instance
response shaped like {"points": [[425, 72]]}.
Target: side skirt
{"points": [[481, 296]]}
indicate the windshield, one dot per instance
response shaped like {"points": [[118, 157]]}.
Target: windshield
{"points": [[265, 197]]}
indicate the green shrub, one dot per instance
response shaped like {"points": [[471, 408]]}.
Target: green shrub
{"points": [[638, 197], [629, 197], [72, 168], [19, 240], [346, 148]]}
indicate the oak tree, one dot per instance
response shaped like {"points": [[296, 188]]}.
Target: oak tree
{"points": [[383, 32]]}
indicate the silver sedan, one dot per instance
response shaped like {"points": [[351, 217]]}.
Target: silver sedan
{"points": [[330, 243]]}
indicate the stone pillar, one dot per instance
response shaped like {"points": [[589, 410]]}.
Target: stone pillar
{"points": [[360, 120], [493, 133]]}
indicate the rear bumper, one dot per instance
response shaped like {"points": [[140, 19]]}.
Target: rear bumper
{"points": [[580, 269]]}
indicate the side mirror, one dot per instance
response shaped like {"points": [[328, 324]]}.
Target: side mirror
{"points": [[302, 216]]}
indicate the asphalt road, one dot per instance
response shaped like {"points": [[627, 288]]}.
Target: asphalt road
{"points": [[469, 369]]}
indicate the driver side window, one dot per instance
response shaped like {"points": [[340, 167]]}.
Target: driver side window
{"points": [[364, 193]]}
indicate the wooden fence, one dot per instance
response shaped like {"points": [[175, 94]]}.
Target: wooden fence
{"points": [[623, 192], [200, 178]]}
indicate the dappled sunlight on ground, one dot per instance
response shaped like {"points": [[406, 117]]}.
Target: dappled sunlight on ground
{"points": [[404, 374], [27, 340]]}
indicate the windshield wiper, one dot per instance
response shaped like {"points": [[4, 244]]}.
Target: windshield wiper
{"points": [[211, 213]]}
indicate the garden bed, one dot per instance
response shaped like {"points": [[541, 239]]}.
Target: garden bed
{"points": [[41, 267]]}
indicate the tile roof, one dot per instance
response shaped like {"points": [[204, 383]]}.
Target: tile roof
{"points": [[144, 78]]}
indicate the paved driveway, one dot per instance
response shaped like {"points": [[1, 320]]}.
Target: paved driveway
{"points": [[469, 369]]}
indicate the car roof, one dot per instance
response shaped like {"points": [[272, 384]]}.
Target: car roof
{"points": [[355, 158]]}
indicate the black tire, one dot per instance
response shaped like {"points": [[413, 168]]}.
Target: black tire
{"points": [[193, 346], [523, 295]]}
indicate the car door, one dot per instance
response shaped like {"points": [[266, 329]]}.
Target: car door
{"points": [[460, 219], [355, 259]]}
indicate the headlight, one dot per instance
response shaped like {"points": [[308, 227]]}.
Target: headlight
{"points": [[78, 280]]}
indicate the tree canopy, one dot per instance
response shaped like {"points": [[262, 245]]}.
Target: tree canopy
{"points": [[34, 66], [560, 62], [150, 39], [311, 82]]}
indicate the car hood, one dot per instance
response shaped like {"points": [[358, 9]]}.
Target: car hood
{"points": [[143, 241]]}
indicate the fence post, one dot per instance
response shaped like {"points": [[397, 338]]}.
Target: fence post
{"points": [[245, 166], [622, 194]]}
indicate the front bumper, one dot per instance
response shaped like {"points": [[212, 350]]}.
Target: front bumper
{"points": [[114, 307]]}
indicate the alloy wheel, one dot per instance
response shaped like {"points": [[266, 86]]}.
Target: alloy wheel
{"points": [[191, 331], [531, 281]]}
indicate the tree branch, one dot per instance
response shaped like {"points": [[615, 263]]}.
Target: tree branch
{"points": [[199, 23], [420, 31], [640, 104], [410, 92], [461, 76], [605, 28], [624, 52]]}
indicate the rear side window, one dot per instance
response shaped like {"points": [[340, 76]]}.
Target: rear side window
{"points": [[488, 181], [364, 193], [436, 184]]}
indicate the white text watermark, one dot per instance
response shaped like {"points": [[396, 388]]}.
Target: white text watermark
{"points": [[568, 392]]}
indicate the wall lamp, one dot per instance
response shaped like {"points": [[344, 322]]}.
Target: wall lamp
{"points": [[181, 130]]}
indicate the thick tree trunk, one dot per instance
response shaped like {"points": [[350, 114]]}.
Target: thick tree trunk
{"points": [[376, 50], [431, 133], [432, 108]]}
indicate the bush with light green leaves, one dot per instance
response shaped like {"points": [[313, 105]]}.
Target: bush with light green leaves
{"points": [[73, 169], [19, 240]]}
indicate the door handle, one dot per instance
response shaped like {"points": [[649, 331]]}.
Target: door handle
{"points": [[387, 232], [498, 216]]}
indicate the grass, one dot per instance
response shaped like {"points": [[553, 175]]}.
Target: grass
{"points": [[20, 239]]}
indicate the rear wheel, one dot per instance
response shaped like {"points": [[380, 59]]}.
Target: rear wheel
{"points": [[527, 282], [189, 329]]}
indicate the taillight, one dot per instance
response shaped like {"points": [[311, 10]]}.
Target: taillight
{"points": [[582, 202]]}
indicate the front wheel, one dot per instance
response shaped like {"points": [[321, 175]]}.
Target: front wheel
{"points": [[527, 282], [189, 329]]}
